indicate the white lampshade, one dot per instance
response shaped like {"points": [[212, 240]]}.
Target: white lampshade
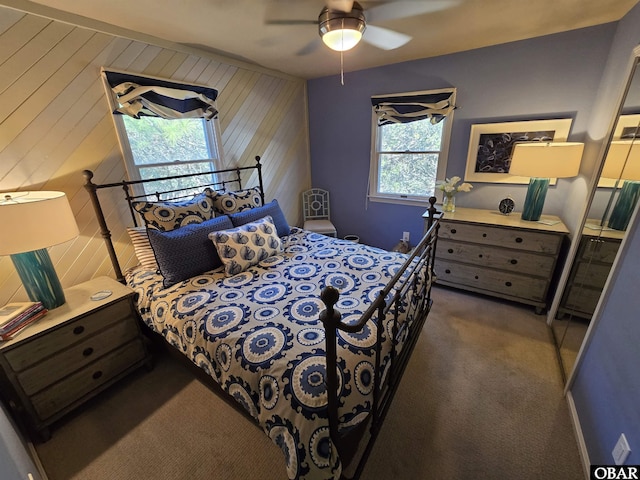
{"points": [[34, 220], [623, 161], [546, 159]]}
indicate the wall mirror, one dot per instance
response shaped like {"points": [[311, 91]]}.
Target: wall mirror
{"points": [[611, 205]]}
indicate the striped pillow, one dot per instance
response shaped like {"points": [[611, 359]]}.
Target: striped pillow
{"points": [[142, 247]]}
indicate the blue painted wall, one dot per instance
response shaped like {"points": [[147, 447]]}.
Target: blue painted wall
{"points": [[606, 387], [548, 77]]}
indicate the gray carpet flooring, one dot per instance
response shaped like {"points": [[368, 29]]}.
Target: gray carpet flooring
{"points": [[481, 399]]}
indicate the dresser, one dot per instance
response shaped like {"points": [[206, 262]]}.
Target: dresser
{"points": [[71, 354], [596, 252], [500, 255]]}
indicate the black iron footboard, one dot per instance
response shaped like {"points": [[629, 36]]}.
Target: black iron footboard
{"points": [[409, 289]]}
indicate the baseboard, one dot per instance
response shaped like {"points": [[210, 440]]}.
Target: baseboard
{"points": [[577, 430]]}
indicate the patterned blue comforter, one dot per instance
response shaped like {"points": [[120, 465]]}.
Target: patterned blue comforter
{"points": [[258, 335]]}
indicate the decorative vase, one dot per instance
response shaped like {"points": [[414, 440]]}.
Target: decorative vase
{"points": [[449, 202]]}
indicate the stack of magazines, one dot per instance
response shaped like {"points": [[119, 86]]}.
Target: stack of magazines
{"points": [[15, 316]]}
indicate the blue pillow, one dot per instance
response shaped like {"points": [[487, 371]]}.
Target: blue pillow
{"points": [[187, 251], [272, 208]]}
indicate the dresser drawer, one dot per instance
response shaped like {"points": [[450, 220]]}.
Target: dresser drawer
{"points": [[34, 351], [598, 250], [592, 275], [580, 300], [489, 280], [62, 394], [63, 363], [494, 257], [502, 237]]}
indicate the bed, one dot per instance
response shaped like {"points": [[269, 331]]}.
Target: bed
{"points": [[309, 334]]}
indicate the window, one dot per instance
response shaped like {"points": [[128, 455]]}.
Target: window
{"points": [[165, 128], [161, 147], [410, 137]]}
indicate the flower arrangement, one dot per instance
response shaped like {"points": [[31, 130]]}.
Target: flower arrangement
{"points": [[450, 187]]}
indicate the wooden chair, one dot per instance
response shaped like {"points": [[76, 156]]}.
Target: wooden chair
{"points": [[315, 207]]}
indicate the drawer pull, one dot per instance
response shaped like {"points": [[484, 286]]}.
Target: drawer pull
{"points": [[87, 351], [513, 261], [97, 375], [484, 235], [476, 277], [508, 284], [447, 271], [453, 230], [518, 239], [480, 256], [450, 250], [78, 330]]}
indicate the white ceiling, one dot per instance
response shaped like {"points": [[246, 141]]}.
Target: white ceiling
{"points": [[237, 28]]}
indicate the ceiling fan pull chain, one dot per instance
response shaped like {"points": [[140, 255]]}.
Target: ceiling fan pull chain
{"points": [[341, 57]]}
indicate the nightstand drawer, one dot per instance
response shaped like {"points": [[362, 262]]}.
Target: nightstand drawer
{"points": [[489, 280], [34, 351], [501, 237], [71, 389], [63, 363], [496, 257]]}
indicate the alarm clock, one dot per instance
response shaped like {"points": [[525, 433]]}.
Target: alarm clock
{"points": [[506, 205]]}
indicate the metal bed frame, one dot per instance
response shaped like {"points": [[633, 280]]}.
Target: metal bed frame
{"points": [[409, 291]]}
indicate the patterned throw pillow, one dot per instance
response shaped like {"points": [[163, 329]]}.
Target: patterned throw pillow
{"points": [[168, 216], [241, 247], [272, 208], [186, 252], [231, 202], [142, 247]]}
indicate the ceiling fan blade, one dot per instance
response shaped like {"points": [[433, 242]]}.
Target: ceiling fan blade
{"points": [[403, 9], [290, 22], [340, 5], [310, 47], [384, 38]]}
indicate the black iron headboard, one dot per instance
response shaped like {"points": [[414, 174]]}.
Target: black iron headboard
{"points": [[127, 185]]}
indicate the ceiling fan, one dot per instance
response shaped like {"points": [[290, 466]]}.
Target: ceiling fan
{"points": [[343, 23]]}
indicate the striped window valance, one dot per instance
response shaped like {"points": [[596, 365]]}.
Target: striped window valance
{"points": [[410, 107], [138, 96]]}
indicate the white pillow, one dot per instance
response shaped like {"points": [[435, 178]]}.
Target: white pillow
{"points": [[242, 247]]}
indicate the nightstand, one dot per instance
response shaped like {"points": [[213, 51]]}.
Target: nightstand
{"points": [[71, 354]]}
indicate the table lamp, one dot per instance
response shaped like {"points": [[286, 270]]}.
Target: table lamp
{"points": [[623, 163], [32, 221], [542, 161]]}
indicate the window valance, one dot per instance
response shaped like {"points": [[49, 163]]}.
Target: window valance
{"points": [[408, 108], [144, 96]]}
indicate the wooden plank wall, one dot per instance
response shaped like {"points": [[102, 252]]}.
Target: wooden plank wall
{"points": [[55, 123]]}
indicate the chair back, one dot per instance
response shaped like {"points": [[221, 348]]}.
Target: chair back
{"points": [[315, 204]]}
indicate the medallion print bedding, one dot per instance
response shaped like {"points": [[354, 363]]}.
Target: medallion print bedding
{"points": [[258, 334]]}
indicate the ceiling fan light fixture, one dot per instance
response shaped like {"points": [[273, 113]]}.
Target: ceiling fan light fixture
{"points": [[341, 31]]}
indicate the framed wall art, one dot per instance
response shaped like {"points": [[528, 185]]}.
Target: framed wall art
{"points": [[491, 146]]}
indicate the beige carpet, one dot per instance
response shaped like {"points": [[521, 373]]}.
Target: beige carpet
{"points": [[481, 399]]}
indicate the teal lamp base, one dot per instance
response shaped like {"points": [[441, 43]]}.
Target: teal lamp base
{"points": [[625, 205], [39, 277], [534, 201]]}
